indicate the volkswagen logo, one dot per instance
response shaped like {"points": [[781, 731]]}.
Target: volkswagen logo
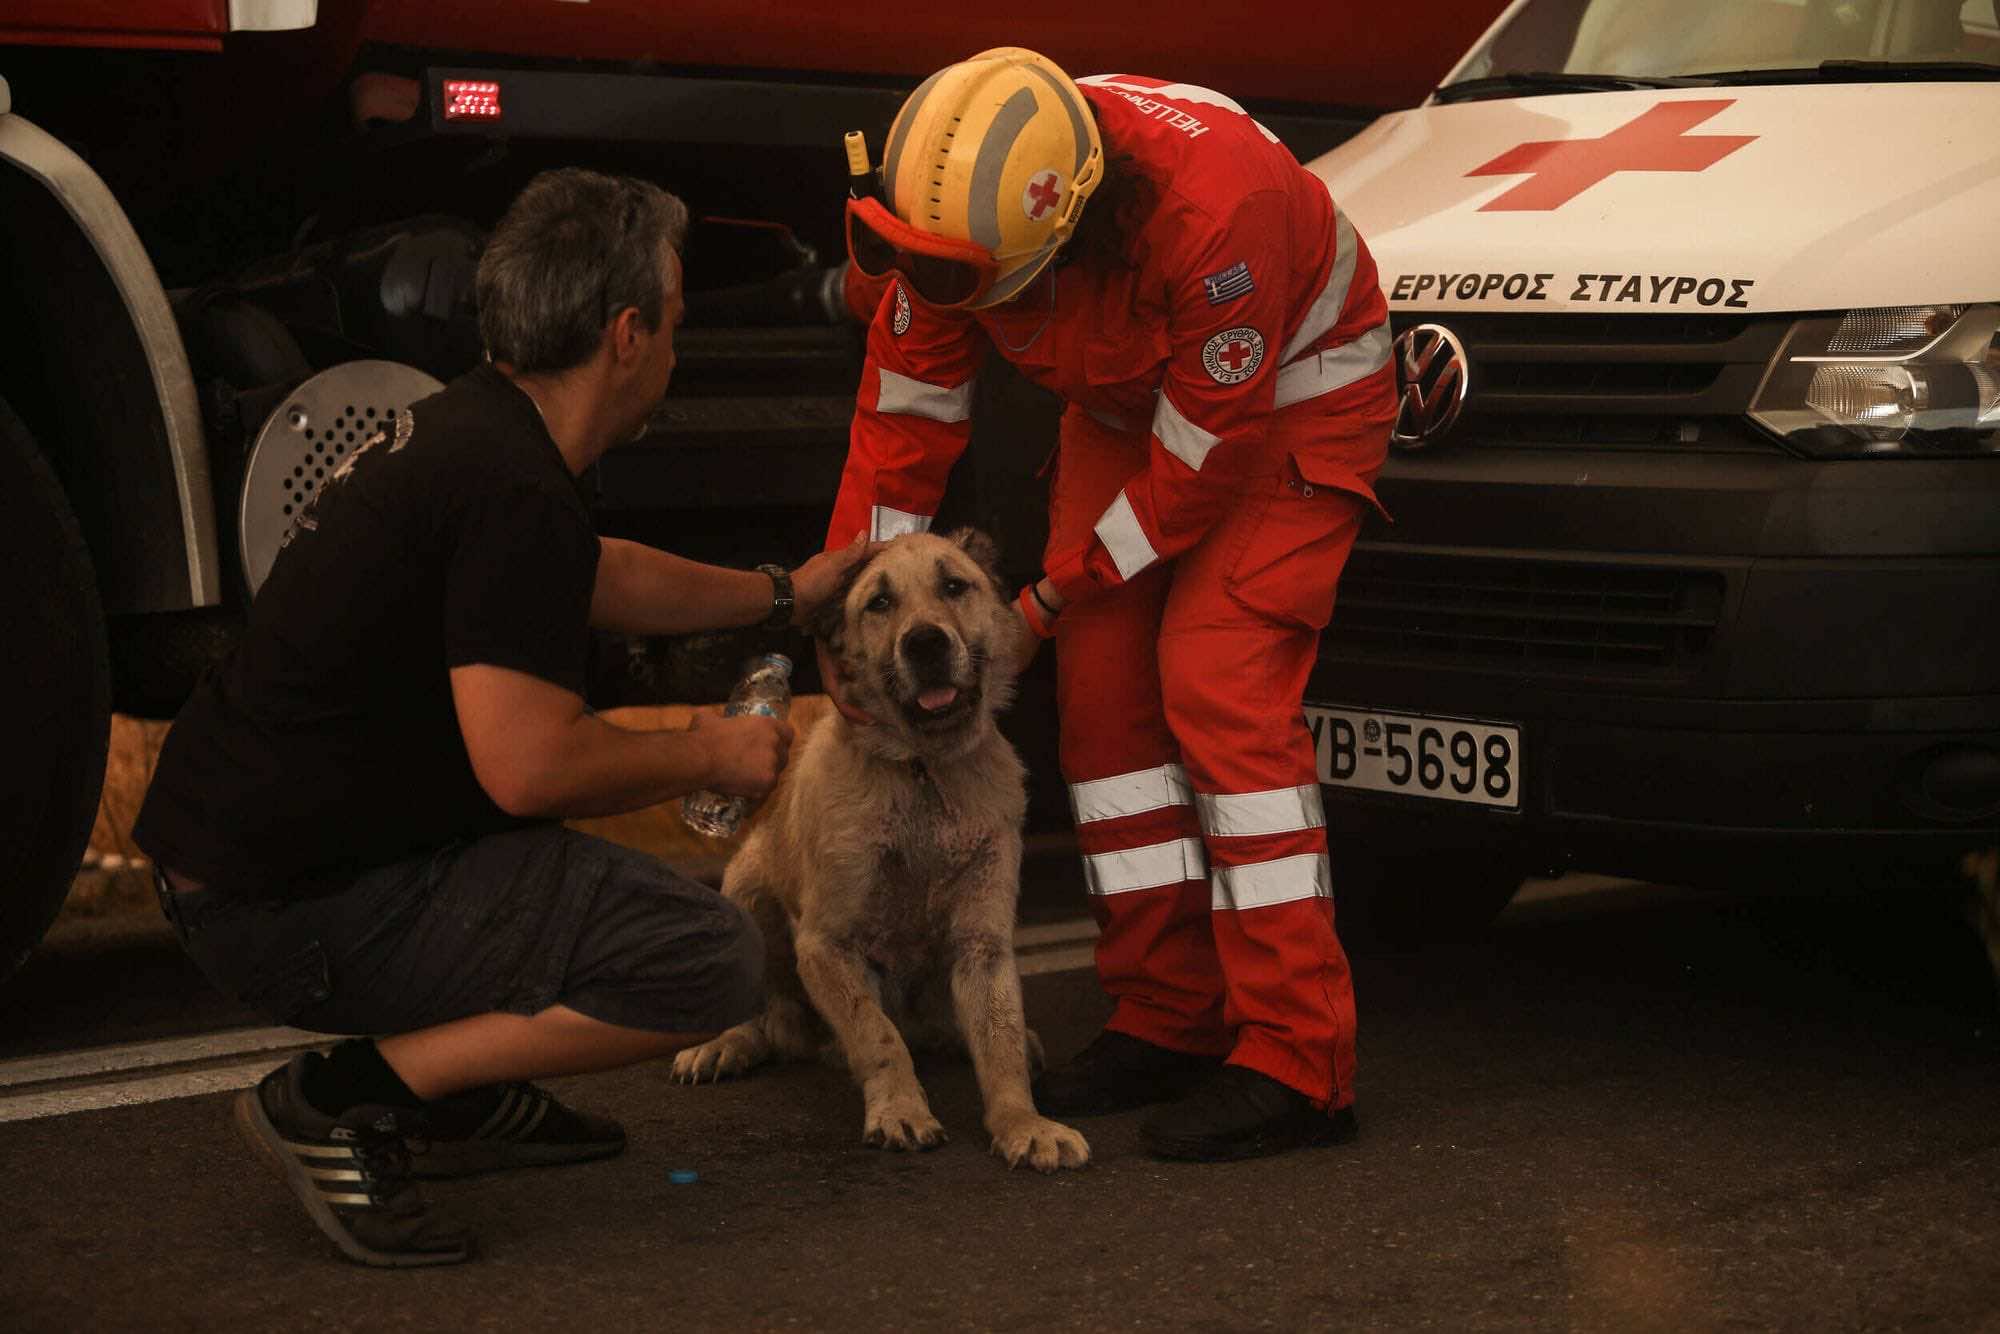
{"points": [[1431, 377]]}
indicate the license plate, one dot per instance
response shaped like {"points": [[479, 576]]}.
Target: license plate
{"points": [[1414, 755]]}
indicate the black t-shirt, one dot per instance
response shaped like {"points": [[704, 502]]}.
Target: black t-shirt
{"points": [[328, 743]]}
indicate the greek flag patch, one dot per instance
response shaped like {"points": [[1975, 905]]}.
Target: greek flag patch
{"points": [[1231, 283]]}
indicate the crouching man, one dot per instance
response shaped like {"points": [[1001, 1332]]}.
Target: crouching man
{"points": [[355, 820]]}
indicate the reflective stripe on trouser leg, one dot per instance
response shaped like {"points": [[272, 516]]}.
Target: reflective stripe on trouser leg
{"points": [[1143, 858], [1290, 999], [1238, 638]]}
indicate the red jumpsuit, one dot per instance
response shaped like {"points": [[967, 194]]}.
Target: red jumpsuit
{"points": [[1229, 399]]}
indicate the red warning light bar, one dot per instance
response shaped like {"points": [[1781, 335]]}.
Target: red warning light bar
{"points": [[471, 99]]}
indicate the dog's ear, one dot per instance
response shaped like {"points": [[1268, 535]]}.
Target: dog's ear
{"points": [[829, 620], [985, 552]]}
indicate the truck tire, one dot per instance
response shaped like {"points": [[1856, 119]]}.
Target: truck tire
{"points": [[55, 688]]}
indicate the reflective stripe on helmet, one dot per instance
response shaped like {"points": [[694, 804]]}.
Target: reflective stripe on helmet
{"points": [[983, 203], [900, 133], [1073, 104]]}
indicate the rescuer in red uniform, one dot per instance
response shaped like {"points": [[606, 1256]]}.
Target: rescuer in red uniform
{"points": [[1217, 330]]}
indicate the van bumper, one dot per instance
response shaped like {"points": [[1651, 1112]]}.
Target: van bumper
{"points": [[1790, 670]]}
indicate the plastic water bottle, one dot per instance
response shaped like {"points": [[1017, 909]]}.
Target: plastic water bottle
{"points": [[765, 689]]}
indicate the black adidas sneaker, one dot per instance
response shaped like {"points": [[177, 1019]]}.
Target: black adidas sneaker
{"points": [[509, 1125], [351, 1172]]}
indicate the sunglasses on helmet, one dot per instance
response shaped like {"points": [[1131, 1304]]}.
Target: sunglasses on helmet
{"points": [[943, 272]]}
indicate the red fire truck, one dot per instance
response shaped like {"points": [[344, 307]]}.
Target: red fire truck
{"points": [[235, 232]]}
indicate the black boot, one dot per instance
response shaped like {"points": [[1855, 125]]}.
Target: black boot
{"points": [[1116, 1073], [1241, 1113]]}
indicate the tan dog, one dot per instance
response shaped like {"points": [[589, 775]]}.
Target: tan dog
{"points": [[885, 872]]}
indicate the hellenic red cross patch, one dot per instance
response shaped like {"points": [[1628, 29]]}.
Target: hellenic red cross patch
{"points": [[1561, 169], [1233, 355]]}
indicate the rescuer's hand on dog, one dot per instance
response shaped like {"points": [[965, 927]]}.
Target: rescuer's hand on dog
{"points": [[825, 576], [1027, 641], [746, 753]]}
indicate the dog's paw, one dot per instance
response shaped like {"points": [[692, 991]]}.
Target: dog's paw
{"points": [[1042, 1144], [717, 1059], [903, 1123]]}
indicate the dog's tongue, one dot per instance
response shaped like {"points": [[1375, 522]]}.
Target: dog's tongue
{"points": [[940, 697]]}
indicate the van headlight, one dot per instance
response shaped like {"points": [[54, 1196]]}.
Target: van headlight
{"points": [[1897, 381]]}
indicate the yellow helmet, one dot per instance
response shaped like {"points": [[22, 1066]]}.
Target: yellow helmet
{"points": [[998, 153]]}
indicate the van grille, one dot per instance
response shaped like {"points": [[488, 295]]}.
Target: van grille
{"points": [[1477, 611], [1611, 381]]}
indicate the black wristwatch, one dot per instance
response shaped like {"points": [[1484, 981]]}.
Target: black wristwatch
{"points": [[781, 596]]}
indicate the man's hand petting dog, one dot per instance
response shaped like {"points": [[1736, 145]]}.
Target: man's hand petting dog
{"points": [[826, 576], [745, 754]]}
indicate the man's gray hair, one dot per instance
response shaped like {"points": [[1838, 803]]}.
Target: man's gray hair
{"points": [[572, 251]]}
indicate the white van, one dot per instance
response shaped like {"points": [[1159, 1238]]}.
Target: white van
{"points": [[1694, 572]]}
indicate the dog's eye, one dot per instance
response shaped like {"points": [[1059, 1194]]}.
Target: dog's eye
{"points": [[880, 602], [955, 588]]}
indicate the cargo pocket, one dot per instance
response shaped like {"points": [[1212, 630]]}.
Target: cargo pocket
{"points": [[1291, 558], [288, 986]]}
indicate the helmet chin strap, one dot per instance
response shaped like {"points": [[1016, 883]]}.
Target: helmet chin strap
{"points": [[1040, 329]]}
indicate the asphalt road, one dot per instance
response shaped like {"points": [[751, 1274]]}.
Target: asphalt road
{"points": [[1635, 1109]]}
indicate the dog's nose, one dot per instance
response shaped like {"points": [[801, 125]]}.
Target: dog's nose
{"points": [[926, 646]]}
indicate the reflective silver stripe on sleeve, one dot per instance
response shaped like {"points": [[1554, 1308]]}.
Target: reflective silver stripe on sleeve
{"points": [[1182, 438], [1335, 368], [915, 398], [1129, 794], [1122, 536], [1145, 868], [885, 523], [1282, 810], [1332, 299], [1266, 884]]}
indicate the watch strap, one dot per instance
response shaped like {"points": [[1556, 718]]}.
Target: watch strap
{"points": [[782, 600]]}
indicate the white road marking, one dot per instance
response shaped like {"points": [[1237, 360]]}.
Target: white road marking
{"points": [[1030, 938], [132, 1056], [33, 1105], [1059, 961], [135, 1073]]}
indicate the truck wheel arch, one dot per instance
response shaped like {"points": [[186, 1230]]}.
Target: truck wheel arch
{"points": [[106, 390]]}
